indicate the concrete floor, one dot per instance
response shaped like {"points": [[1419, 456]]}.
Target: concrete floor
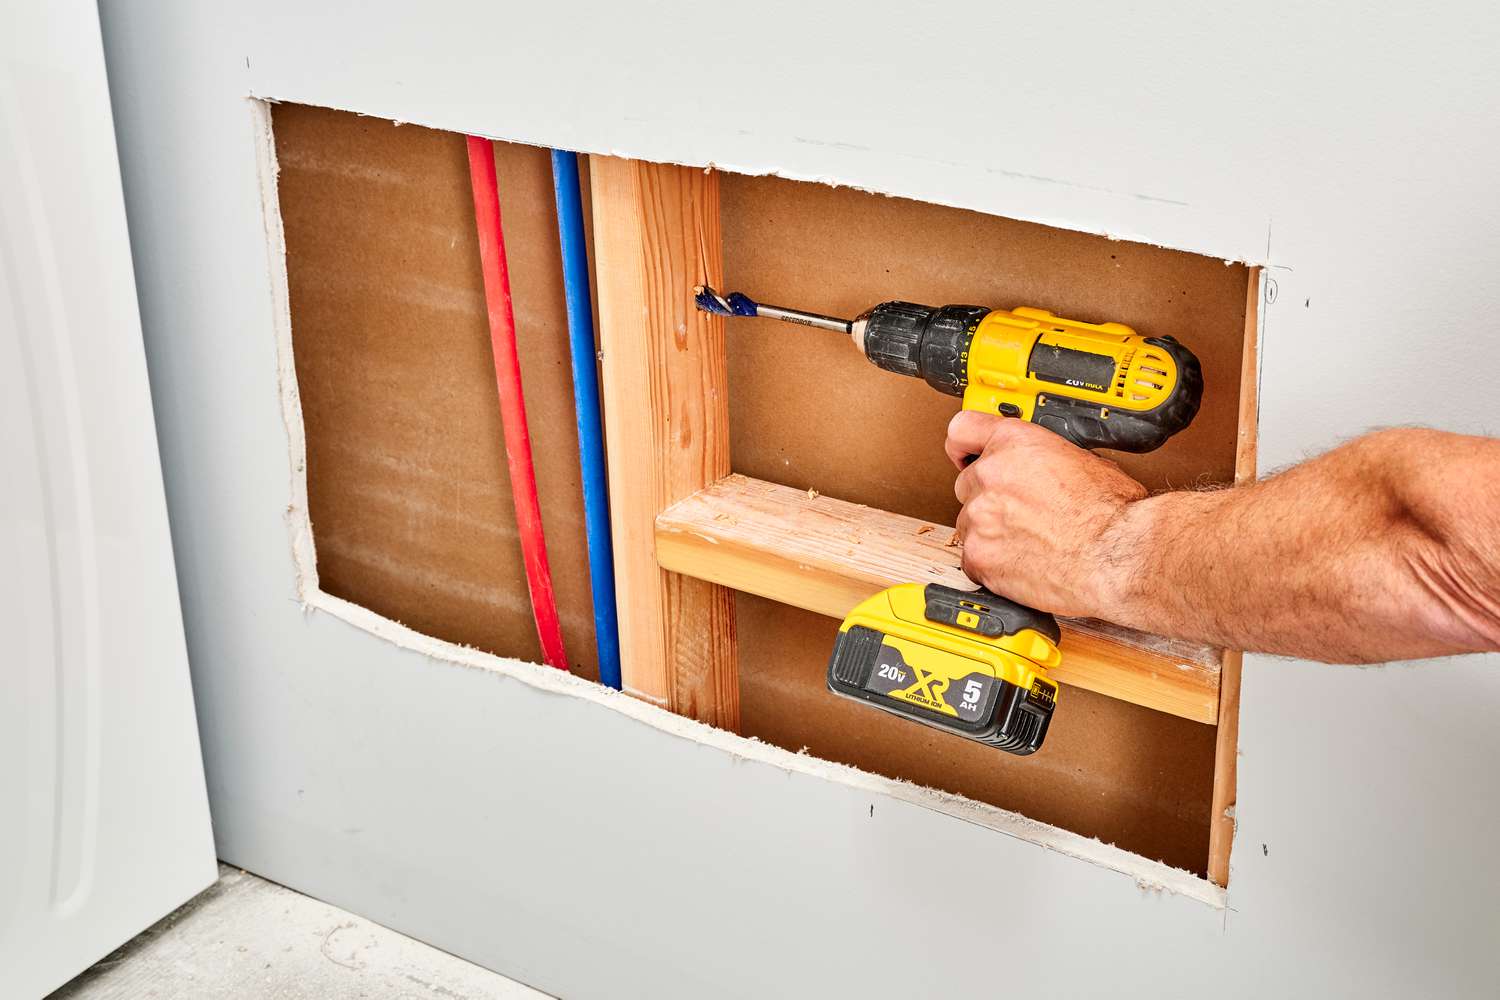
{"points": [[246, 938]]}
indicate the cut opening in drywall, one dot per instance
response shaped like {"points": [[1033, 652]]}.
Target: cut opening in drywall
{"points": [[408, 496], [407, 489]]}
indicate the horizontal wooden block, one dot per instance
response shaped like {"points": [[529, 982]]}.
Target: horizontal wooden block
{"points": [[827, 555]]}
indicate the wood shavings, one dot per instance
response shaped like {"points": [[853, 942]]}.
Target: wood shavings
{"points": [[924, 529], [812, 494]]}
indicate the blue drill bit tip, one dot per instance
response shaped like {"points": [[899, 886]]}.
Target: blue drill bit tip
{"points": [[734, 304]]}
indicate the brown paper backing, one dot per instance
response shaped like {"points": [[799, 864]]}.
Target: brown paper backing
{"points": [[407, 485]]}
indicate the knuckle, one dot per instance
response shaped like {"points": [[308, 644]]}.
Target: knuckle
{"points": [[984, 520], [987, 473]]}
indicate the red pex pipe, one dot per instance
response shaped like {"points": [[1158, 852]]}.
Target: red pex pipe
{"points": [[512, 402]]}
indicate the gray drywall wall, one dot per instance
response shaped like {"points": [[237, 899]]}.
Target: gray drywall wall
{"points": [[591, 853]]}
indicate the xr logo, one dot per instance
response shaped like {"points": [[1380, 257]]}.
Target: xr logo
{"points": [[928, 689]]}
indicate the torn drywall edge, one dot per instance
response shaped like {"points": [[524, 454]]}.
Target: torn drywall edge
{"points": [[299, 524], [1152, 875], [1149, 875], [1262, 281], [1240, 247]]}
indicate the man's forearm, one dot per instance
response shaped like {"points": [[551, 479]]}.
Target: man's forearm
{"points": [[1382, 549]]}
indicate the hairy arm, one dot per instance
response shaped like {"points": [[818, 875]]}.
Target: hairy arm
{"points": [[1385, 548]]}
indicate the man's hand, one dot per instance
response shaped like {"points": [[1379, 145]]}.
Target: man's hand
{"points": [[1038, 513], [1386, 548]]}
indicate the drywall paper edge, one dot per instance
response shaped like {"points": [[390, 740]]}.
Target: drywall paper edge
{"points": [[1235, 237], [299, 524]]}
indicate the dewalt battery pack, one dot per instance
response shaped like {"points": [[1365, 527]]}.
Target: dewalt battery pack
{"points": [[967, 662]]}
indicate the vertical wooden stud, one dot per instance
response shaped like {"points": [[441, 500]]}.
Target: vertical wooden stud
{"points": [[1227, 739], [666, 420]]}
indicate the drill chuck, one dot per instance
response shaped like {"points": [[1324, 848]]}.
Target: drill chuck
{"points": [[922, 341]]}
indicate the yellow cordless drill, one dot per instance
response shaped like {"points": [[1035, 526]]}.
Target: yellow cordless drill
{"points": [[973, 663], [1100, 385]]}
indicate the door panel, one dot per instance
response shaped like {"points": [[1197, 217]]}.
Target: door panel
{"points": [[103, 815]]}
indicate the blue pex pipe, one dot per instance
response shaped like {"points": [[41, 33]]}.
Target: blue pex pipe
{"points": [[575, 268]]}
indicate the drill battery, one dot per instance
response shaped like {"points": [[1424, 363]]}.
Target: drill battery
{"points": [[969, 663]]}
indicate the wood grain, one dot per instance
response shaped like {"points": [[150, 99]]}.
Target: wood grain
{"points": [[827, 555], [656, 235], [1227, 743]]}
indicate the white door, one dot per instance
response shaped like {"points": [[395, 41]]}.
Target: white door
{"points": [[103, 814]]}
